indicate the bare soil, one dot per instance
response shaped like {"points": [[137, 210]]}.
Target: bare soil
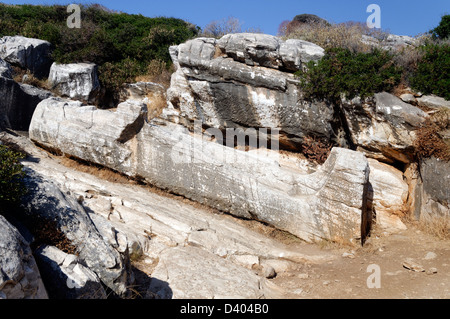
{"points": [[347, 277]]}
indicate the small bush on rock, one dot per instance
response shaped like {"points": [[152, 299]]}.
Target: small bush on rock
{"points": [[429, 142], [432, 75], [114, 75], [11, 174], [343, 72], [442, 31], [316, 150]]}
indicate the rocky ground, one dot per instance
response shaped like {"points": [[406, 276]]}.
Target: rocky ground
{"points": [[191, 251], [347, 276]]}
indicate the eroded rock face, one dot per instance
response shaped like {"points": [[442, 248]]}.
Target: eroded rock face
{"points": [[162, 232], [210, 283], [384, 126], [246, 80], [389, 194], [66, 277], [433, 102], [295, 53], [19, 275], [269, 51], [434, 193], [311, 206], [28, 53], [391, 42], [45, 201], [77, 81], [18, 103], [241, 81], [5, 69]]}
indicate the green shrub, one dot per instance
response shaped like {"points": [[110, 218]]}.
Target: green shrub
{"points": [[11, 174], [432, 75], [442, 31], [310, 19], [104, 36], [113, 75], [112, 40], [342, 71]]}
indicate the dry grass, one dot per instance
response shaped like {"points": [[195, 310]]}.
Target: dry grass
{"points": [[344, 35], [18, 73], [96, 170], [26, 77], [155, 105], [316, 150], [437, 226], [429, 142], [409, 57], [115, 177], [336, 244], [158, 73], [400, 89], [47, 232], [269, 231]]}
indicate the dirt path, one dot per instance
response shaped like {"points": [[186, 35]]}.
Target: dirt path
{"points": [[347, 277]]}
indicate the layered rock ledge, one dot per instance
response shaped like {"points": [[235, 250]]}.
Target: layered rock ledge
{"points": [[327, 204]]}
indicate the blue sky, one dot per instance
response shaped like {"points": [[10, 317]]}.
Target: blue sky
{"points": [[401, 17]]}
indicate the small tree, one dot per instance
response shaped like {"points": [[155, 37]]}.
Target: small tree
{"points": [[283, 28], [310, 19], [342, 71], [432, 75], [442, 31], [219, 28]]}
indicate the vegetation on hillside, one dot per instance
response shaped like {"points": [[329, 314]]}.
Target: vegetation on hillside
{"points": [[442, 31], [354, 66], [123, 45], [352, 74], [11, 174], [348, 35], [432, 75]]}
